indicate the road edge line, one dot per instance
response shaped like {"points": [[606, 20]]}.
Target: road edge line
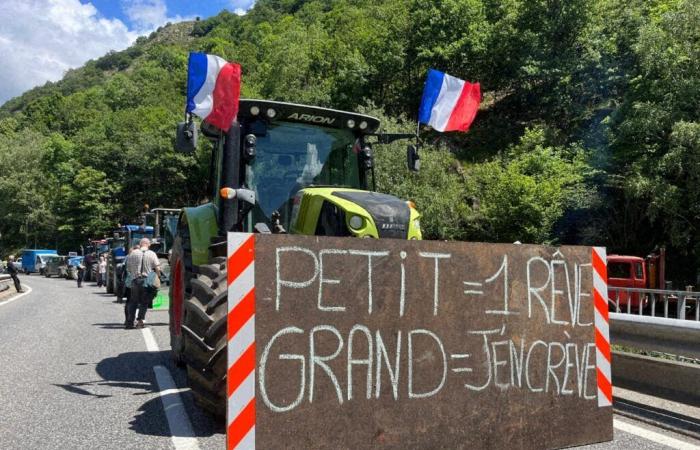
{"points": [[178, 421], [181, 433], [17, 297], [653, 436]]}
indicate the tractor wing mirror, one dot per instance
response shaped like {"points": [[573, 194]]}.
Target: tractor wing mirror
{"points": [[246, 195], [413, 158], [186, 138]]}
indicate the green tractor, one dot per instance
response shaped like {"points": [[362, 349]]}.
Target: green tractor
{"points": [[280, 168]]}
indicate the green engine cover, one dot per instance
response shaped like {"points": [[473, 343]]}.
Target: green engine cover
{"points": [[321, 211], [353, 212]]}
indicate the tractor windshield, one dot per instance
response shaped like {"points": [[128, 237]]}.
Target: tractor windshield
{"points": [[136, 237], [292, 156]]}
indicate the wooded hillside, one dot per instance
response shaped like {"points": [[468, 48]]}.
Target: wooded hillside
{"points": [[589, 131]]}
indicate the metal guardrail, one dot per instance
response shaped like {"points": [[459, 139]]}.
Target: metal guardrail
{"points": [[655, 302], [659, 334]]}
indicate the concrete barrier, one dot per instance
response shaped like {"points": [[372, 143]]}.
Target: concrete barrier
{"points": [[359, 343], [666, 378]]}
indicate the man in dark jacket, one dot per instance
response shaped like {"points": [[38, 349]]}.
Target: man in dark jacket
{"points": [[12, 270]]}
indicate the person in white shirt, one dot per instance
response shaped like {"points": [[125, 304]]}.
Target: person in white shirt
{"points": [[139, 264], [102, 272]]}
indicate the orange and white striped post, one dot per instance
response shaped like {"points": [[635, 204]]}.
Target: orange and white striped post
{"points": [[240, 411], [602, 329]]}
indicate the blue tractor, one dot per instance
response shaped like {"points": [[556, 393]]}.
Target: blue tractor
{"points": [[124, 238]]}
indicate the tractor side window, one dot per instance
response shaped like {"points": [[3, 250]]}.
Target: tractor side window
{"points": [[639, 273], [618, 270]]}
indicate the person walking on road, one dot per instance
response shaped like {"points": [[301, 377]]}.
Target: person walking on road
{"points": [[102, 272], [139, 265], [12, 270], [81, 274]]}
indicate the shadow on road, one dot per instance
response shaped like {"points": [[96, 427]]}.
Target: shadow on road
{"points": [[127, 371], [120, 325], [132, 374]]}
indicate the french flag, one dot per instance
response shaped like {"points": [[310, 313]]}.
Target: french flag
{"points": [[448, 104], [213, 89]]}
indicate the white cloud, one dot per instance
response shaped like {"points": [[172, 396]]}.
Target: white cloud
{"points": [[241, 7], [147, 15], [41, 39]]}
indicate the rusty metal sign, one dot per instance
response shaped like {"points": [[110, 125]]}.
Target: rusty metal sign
{"points": [[363, 343]]}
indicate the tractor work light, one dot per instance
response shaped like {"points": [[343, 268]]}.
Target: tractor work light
{"points": [[351, 123], [254, 110], [363, 125], [271, 113], [367, 156], [249, 147]]}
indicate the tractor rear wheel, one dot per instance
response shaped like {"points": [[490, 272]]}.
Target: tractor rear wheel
{"points": [[204, 333]]}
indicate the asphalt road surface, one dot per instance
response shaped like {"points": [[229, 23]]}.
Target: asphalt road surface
{"points": [[72, 378]]}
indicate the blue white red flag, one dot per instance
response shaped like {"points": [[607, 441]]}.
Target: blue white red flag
{"points": [[213, 89], [448, 103]]}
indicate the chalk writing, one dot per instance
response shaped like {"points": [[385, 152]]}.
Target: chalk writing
{"points": [[421, 322]]}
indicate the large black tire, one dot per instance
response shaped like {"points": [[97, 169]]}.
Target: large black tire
{"points": [[204, 332]]}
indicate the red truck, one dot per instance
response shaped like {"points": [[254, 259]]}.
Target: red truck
{"points": [[635, 272]]}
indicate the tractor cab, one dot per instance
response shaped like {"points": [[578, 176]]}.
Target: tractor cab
{"points": [[293, 168], [164, 222]]}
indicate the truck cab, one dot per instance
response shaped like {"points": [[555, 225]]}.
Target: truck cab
{"points": [[627, 272]]}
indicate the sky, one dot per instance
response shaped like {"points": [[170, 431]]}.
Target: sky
{"points": [[41, 39]]}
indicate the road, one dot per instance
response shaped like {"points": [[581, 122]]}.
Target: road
{"points": [[72, 378]]}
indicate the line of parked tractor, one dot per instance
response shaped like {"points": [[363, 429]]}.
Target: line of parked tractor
{"points": [[159, 225]]}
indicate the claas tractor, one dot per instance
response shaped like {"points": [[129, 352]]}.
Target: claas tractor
{"points": [[281, 168]]}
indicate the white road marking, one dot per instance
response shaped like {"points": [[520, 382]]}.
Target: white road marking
{"points": [[653, 436], [28, 290], [179, 423], [151, 344]]}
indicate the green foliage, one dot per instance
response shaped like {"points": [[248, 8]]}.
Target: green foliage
{"points": [[588, 131], [522, 196], [438, 189]]}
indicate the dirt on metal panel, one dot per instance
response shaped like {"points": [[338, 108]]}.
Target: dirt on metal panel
{"points": [[366, 343]]}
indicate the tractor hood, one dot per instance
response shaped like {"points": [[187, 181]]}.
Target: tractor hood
{"points": [[390, 214], [339, 211]]}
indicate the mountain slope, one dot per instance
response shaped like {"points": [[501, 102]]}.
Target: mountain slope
{"points": [[589, 105]]}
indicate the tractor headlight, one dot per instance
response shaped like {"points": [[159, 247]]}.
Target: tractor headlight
{"points": [[363, 125], [254, 110], [351, 123], [271, 113], [356, 222]]}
